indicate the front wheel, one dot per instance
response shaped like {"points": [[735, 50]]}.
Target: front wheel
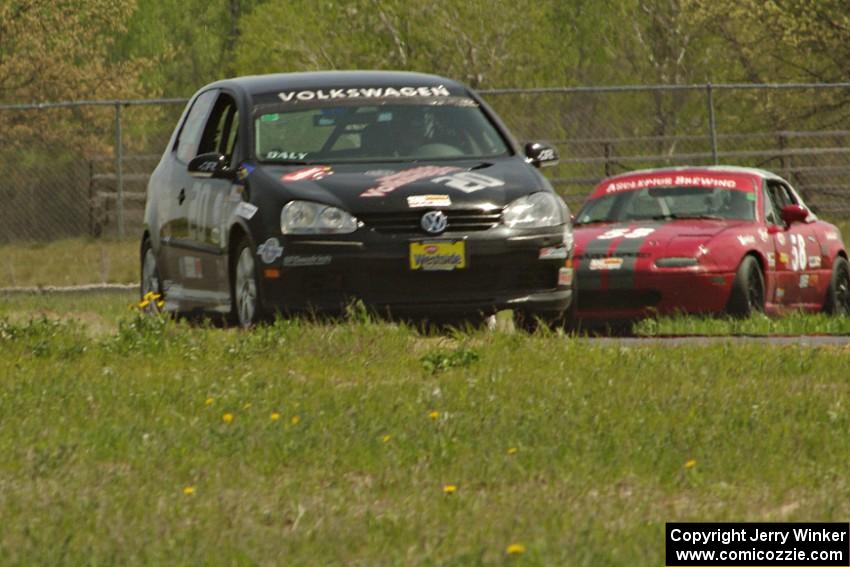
{"points": [[838, 294], [747, 290], [150, 282], [246, 308]]}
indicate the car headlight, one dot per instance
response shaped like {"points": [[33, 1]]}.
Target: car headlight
{"points": [[307, 217], [535, 210]]}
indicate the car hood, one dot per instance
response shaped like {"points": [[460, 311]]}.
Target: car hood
{"points": [[650, 237], [379, 187]]}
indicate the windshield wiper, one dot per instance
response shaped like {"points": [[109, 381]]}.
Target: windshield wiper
{"points": [[678, 216]]}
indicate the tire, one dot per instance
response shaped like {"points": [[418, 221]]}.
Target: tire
{"points": [[838, 293], [246, 310], [150, 280], [747, 295]]}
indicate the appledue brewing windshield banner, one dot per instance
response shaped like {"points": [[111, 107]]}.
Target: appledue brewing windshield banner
{"points": [[762, 544]]}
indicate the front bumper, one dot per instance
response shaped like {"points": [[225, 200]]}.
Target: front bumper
{"points": [[655, 292], [504, 271]]}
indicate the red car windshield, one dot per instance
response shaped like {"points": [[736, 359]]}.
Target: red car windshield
{"points": [[664, 203]]}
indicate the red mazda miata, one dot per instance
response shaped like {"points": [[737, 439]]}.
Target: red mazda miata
{"points": [[704, 240]]}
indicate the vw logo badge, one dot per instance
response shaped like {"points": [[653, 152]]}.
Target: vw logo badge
{"points": [[434, 222]]}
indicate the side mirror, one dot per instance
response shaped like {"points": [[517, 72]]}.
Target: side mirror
{"points": [[209, 165], [541, 155], [794, 213]]}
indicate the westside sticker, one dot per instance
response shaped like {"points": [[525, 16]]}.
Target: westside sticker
{"points": [[270, 250], [565, 276], [308, 174], [191, 267], [389, 183], [300, 261], [418, 201]]}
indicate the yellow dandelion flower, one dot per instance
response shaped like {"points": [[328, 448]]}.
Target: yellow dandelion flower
{"points": [[160, 304], [515, 549], [691, 464], [189, 490], [143, 304], [386, 438], [434, 415], [275, 416], [209, 402], [449, 489], [295, 420], [227, 418], [512, 450]]}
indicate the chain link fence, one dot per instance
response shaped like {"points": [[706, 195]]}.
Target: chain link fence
{"points": [[80, 169]]}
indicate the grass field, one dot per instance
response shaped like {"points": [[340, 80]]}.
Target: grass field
{"points": [[145, 441]]}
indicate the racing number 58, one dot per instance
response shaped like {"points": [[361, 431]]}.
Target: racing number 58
{"points": [[798, 252]]}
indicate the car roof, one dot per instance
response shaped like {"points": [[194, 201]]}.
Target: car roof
{"points": [[757, 172], [259, 84]]}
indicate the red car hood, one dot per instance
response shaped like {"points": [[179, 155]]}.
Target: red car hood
{"points": [[647, 237]]}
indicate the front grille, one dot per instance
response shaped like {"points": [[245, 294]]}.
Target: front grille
{"points": [[459, 220]]}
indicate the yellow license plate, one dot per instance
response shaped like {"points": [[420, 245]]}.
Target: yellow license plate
{"points": [[438, 255]]}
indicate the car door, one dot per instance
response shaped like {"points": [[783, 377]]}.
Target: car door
{"points": [[795, 244], [809, 255], [210, 202], [173, 204]]}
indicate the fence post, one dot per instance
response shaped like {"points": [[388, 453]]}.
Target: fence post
{"points": [[712, 124], [119, 170]]}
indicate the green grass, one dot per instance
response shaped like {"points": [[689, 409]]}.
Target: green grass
{"points": [[69, 262], [101, 432]]}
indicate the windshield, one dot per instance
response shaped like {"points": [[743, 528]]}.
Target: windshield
{"points": [[661, 203], [453, 128]]}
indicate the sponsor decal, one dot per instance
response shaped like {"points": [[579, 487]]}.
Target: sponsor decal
{"points": [[379, 172], [626, 233], [783, 258], [308, 174], [245, 210], [389, 183], [606, 263], [244, 171], [274, 154], [553, 253], [763, 234], [832, 236], [814, 261], [468, 181], [708, 182], [417, 201], [746, 239], [780, 293], [771, 260], [190, 267], [780, 238], [804, 281], [814, 279], [270, 250], [438, 256], [565, 276], [208, 166], [302, 261], [375, 92]]}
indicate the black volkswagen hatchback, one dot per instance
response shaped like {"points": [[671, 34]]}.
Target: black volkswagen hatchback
{"points": [[301, 192]]}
